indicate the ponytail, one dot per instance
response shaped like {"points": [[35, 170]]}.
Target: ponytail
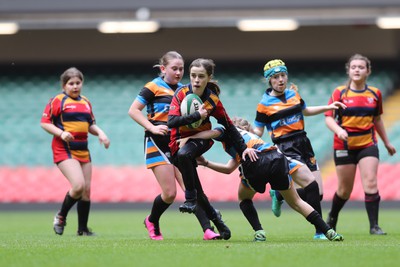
{"points": [[213, 86]]}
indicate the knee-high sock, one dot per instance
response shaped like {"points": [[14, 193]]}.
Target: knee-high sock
{"points": [[278, 195], [203, 219], [317, 221], [67, 204], [372, 207], [302, 194], [337, 205], [83, 208], [250, 212], [312, 197], [204, 203], [187, 166], [158, 208]]}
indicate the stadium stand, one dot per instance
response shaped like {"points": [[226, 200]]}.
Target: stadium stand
{"points": [[26, 163]]}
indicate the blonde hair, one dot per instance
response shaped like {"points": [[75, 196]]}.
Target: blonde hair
{"points": [[242, 123], [166, 59]]}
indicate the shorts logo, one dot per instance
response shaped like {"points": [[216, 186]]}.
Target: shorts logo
{"points": [[341, 153]]}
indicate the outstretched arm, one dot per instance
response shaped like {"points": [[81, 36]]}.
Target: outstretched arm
{"points": [[258, 131], [226, 168], [210, 134], [315, 110]]}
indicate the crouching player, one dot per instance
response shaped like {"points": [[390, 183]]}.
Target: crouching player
{"points": [[271, 167]]}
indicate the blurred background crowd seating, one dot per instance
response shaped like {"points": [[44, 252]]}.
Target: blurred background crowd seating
{"points": [[55, 36]]}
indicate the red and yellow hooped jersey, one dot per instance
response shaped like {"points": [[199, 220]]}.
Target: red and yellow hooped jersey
{"points": [[74, 116], [358, 118], [213, 105]]}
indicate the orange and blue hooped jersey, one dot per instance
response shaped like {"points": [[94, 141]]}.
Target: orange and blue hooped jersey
{"points": [[74, 116], [156, 96], [213, 105], [282, 115], [358, 118]]}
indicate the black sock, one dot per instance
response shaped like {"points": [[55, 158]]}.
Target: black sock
{"points": [[186, 164], [302, 194], [372, 206], [317, 221], [203, 219], [191, 195], [83, 208], [312, 196], [204, 203], [67, 204], [250, 212], [159, 207], [278, 195], [337, 205]]}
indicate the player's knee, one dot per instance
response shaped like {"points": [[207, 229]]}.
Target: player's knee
{"points": [[78, 189], [184, 155], [169, 195], [344, 193]]}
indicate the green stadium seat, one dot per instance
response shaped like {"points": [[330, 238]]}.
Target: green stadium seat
{"points": [[112, 91]]}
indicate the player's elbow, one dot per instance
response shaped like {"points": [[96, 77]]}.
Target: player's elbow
{"points": [[227, 171]]}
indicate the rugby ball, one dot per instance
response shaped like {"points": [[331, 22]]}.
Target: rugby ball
{"points": [[189, 105]]}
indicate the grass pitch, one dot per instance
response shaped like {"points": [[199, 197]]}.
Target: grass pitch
{"points": [[27, 239]]}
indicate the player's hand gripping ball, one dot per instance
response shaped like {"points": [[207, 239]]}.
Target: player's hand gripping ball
{"points": [[189, 105]]}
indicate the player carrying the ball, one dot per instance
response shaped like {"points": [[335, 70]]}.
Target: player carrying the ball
{"points": [[156, 97], [201, 84]]}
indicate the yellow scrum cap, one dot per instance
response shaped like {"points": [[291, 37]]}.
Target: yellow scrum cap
{"points": [[273, 67]]}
